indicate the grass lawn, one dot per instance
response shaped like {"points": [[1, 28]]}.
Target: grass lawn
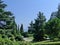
{"points": [[46, 43], [29, 39]]}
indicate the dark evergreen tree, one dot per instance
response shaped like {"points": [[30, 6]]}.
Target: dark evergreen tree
{"points": [[18, 30], [21, 29], [6, 17], [56, 14], [8, 26], [14, 25], [39, 27], [53, 15], [30, 28]]}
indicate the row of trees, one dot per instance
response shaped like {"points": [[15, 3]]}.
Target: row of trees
{"points": [[42, 29]]}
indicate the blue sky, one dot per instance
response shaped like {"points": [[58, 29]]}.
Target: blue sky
{"points": [[26, 11]]}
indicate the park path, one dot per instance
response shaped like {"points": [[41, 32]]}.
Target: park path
{"points": [[28, 39]]}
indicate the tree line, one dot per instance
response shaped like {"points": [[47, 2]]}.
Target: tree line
{"points": [[41, 29]]}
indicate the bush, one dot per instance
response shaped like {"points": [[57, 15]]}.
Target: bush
{"points": [[30, 35], [9, 35], [38, 38], [18, 38], [2, 31], [4, 36], [12, 38], [25, 34], [6, 41]]}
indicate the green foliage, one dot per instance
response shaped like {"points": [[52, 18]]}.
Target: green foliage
{"points": [[6, 17], [8, 26], [11, 34], [18, 38], [2, 31], [30, 28], [25, 34], [39, 27], [7, 41], [4, 36], [30, 35], [58, 12], [53, 27], [21, 29]]}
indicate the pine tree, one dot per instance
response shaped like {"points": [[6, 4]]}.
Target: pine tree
{"points": [[30, 28], [14, 25], [18, 30], [6, 17], [21, 29], [8, 26], [7, 20], [39, 27]]}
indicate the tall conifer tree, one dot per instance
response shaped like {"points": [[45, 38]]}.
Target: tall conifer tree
{"points": [[39, 27]]}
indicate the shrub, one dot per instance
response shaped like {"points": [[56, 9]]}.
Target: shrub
{"points": [[4, 36], [18, 38], [9, 35], [25, 34], [2, 31], [12, 39]]}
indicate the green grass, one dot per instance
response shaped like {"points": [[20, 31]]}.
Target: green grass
{"points": [[46, 43]]}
